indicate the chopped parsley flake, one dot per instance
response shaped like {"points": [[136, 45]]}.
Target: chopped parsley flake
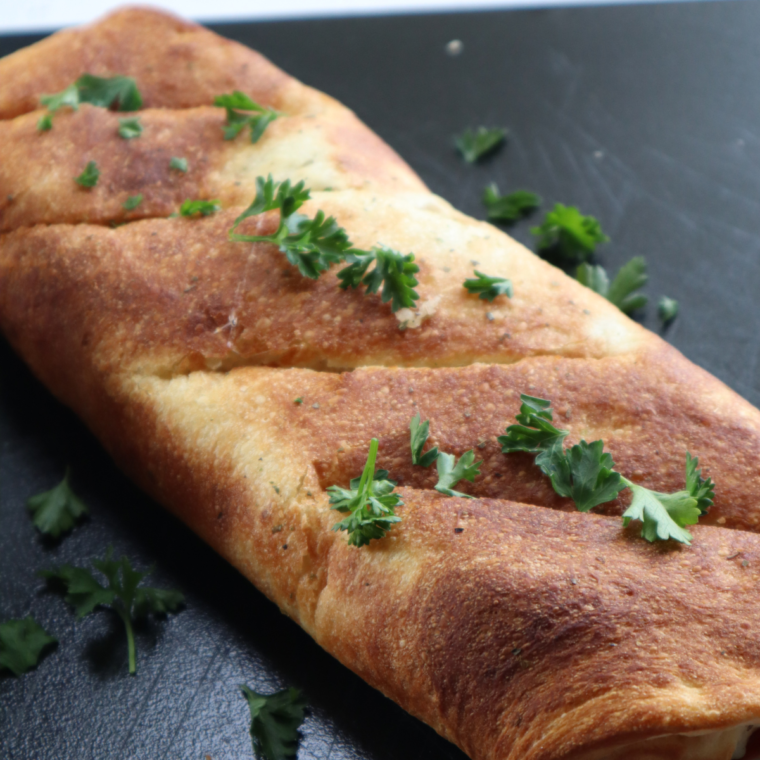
{"points": [[236, 122], [475, 144], [487, 287], [621, 292], [180, 164], [130, 128], [202, 208], [132, 202], [89, 177], [509, 208], [569, 234]]}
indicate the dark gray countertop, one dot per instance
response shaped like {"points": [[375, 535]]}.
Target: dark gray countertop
{"points": [[646, 116]]}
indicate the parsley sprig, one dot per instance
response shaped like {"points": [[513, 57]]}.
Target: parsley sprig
{"points": [[488, 288], [130, 128], [22, 643], [58, 510], [89, 176], [508, 209], [450, 472], [202, 208], [122, 594], [258, 117], [275, 720], [117, 93], [585, 474], [621, 291], [475, 144], [568, 233], [419, 432], [369, 502]]}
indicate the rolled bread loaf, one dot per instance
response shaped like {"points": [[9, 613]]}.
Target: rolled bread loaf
{"points": [[516, 627]]}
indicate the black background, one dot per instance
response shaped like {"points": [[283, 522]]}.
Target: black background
{"points": [[646, 116]]}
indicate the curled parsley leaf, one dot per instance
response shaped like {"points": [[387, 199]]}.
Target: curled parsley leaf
{"points": [[451, 472], [487, 287], [620, 292], [509, 208], [56, 511], [585, 474], [393, 270], [122, 594], [90, 176], [275, 720], [235, 103], [130, 128], [369, 502], [22, 643], [570, 234], [203, 208], [475, 144], [419, 435], [667, 309]]}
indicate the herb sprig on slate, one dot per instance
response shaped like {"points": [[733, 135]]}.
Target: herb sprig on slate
{"points": [[621, 291], [569, 234], [585, 474], [58, 510], [275, 720], [509, 209], [369, 502], [22, 643], [122, 594], [478, 143], [243, 112]]}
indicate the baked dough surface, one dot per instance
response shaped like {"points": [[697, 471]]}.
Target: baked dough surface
{"points": [[516, 627]]}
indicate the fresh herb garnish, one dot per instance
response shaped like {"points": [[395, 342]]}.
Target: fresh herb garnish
{"points": [[630, 278], [22, 643], [419, 435], [369, 501], [393, 270], [89, 177], [132, 202], [569, 233], [204, 208], [585, 474], [487, 287], [275, 720], [130, 128], [45, 123], [237, 121], [66, 98], [475, 144], [122, 594], [117, 93], [180, 164], [450, 473], [667, 309], [56, 511], [509, 208]]}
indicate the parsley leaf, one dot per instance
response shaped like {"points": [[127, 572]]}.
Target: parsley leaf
{"points": [[57, 510], [535, 433], [584, 473], [180, 164], [667, 309], [309, 244], [449, 473], [66, 98], [118, 93], [132, 202], [419, 435], [275, 720], [631, 277], [572, 235], [130, 128], [89, 177], [395, 272], [369, 502], [21, 644], [122, 594], [489, 287], [509, 208], [204, 208], [475, 144], [236, 102], [45, 123]]}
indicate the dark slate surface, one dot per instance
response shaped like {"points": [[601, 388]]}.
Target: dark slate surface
{"points": [[646, 116]]}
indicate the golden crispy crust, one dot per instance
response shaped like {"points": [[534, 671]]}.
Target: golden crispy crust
{"points": [[517, 628]]}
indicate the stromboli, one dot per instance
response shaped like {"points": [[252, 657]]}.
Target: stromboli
{"points": [[150, 330]]}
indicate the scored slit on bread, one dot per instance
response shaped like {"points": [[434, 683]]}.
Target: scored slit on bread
{"points": [[513, 625]]}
